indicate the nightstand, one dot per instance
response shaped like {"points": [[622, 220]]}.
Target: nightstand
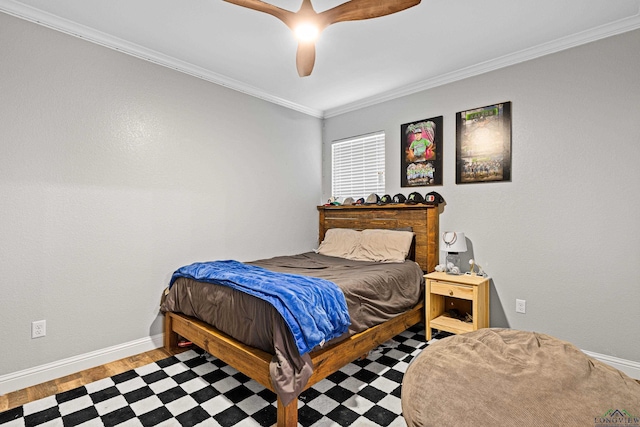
{"points": [[464, 293]]}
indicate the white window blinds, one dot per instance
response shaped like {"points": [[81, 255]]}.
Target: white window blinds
{"points": [[358, 166]]}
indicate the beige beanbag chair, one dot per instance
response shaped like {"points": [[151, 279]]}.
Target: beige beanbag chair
{"points": [[503, 377]]}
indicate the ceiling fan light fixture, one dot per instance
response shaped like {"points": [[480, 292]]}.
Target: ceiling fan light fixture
{"points": [[306, 32], [307, 24]]}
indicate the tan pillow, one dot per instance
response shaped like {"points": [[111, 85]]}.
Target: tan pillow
{"points": [[383, 246], [339, 242]]}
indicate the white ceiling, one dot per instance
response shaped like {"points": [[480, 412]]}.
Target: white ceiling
{"points": [[357, 63]]}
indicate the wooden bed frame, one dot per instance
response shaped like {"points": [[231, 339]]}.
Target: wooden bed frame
{"points": [[254, 363]]}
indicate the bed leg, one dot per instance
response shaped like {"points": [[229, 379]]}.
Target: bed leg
{"points": [[170, 337], [287, 415]]}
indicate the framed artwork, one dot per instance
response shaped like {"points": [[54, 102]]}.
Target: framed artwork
{"points": [[421, 155], [483, 144]]}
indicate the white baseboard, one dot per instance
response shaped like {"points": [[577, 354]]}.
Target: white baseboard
{"points": [[50, 371], [629, 367]]}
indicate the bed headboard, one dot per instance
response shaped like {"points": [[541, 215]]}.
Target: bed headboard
{"points": [[423, 220]]}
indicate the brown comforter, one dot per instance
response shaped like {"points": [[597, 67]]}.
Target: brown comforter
{"points": [[375, 292]]}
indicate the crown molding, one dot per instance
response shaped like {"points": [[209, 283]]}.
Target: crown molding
{"points": [[46, 19], [28, 13], [617, 27]]}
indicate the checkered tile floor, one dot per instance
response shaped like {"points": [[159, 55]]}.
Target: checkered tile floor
{"points": [[192, 389]]}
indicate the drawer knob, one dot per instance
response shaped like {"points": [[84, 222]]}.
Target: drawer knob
{"points": [[450, 292]]}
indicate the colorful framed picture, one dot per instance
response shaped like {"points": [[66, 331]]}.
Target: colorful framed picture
{"points": [[421, 155], [483, 144]]}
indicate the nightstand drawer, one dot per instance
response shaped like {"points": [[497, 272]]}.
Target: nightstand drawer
{"points": [[452, 290]]}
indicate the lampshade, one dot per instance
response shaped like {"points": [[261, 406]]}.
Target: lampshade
{"points": [[453, 241]]}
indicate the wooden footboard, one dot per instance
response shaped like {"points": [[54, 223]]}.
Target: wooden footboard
{"points": [[255, 363]]}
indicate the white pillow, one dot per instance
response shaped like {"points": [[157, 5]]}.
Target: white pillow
{"points": [[380, 245], [339, 242]]}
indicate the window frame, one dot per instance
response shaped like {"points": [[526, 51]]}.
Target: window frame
{"points": [[369, 174]]}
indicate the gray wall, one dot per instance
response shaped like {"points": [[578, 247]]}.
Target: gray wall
{"points": [[564, 235], [114, 172]]}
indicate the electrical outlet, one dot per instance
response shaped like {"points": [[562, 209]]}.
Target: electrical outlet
{"points": [[38, 328], [521, 306]]}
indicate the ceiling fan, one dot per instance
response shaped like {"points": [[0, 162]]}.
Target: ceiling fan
{"points": [[307, 24]]}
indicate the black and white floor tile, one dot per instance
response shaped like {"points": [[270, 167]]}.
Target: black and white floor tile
{"points": [[192, 389]]}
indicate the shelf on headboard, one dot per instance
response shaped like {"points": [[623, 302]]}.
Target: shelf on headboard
{"points": [[423, 220]]}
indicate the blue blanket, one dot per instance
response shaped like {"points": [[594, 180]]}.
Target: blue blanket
{"points": [[314, 309]]}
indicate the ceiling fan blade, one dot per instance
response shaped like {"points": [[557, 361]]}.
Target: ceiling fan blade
{"points": [[305, 58], [356, 10], [353, 10], [284, 15]]}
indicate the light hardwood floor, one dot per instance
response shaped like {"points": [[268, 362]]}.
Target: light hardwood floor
{"points": [[20, 397]]}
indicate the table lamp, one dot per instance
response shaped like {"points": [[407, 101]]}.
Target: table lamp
{"points": [[453, 242]]}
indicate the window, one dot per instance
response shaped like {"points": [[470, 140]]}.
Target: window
{"points": [[357, 166]]}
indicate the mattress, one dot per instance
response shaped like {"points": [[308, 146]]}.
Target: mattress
{"points": [[374, 292]]}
